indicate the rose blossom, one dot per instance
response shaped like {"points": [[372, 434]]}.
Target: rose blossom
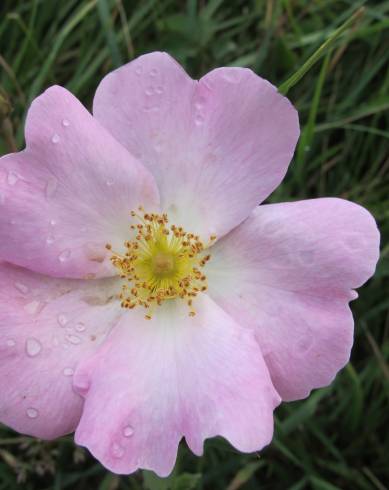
{"points": [[145, 296]]}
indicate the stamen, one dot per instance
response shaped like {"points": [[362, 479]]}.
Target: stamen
{"points": [[161, 263]]}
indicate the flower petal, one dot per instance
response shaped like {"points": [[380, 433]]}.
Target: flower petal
{"points": [[216, 147], [70, 191], [46, 326], [288, 271], [154, 382]]}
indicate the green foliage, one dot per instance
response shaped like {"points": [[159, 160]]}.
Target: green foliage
{"points": [[338, 438]]}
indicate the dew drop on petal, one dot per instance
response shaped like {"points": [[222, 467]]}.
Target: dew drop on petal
{"points": [[53, 222], [138, 70], [73, 339], [51, 187], [149, 91], [128, 431], [95, 252], [159, 89], [65, 122], [32, 307], [80, 327], [199, 104], [10, 343], [50, 239], [62, 320], [199, 120], [110, 182], [55, 138], [22, 288], [12, 178], [33, 347], [117, 450], [64, 255], [153, 72], [32, 413], [68, 371]]}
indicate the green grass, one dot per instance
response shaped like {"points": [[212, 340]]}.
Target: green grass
{"points": [[339, 437]]}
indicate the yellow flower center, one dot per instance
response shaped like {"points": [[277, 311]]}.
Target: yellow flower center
{"points": [[162, 262]]}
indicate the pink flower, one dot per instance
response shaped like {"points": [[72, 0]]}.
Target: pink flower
{"points": [[168, 332]]}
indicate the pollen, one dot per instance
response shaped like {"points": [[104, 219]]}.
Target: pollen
{"points": [[161, 262]]}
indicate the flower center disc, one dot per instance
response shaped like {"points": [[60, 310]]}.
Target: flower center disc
{"points": [[161, 263]]}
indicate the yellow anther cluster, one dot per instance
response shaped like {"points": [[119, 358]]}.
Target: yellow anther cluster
{"points": [[161, 262]]}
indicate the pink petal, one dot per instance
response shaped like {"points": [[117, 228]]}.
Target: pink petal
{"points": [[154, 382], [69, 192], [46, 326], [216, 147], [288, 271]]}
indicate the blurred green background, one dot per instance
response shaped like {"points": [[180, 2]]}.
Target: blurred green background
{"points": [[339, 437]]}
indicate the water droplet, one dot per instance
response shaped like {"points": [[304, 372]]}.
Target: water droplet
{"points": [[138, 70], [55, 341], [12, 178], [50, 239], [153, 72], [51, 187], [55, 138], [10, 343], [199, 104], [65, 123], [149, 91], [53, 222], [33, 347], [199, 120], [22, 287], [33, 307], [64, 255], [32, 413], [73, 339], [110, 182], [117, 450], [160, 90], [80, 327], [68, 371], [62, 320], [128, 431], [95, 252]]}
